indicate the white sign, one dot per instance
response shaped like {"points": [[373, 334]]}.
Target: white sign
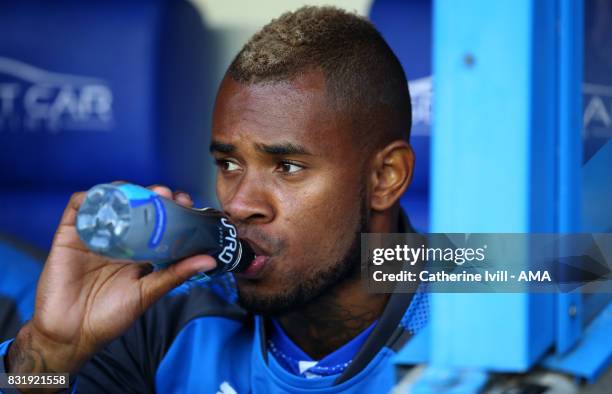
{"points": [[36, 100]]}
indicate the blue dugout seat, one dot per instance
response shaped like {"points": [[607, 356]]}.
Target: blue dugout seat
{"points": [[95, 91], [406, 26], [20, 270]]}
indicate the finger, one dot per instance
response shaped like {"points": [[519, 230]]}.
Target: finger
{"points": [[70, 213], [162, 190], [158, 283], [183, 198]]}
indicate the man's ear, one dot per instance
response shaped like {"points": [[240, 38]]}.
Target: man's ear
{"points": [[391, 174]]}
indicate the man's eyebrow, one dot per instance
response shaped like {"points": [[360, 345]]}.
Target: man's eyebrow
{"points": [[283, 149], [274, 149], [220, 147]]}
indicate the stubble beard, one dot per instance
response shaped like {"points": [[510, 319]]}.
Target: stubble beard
{"points": [[308, 290]]}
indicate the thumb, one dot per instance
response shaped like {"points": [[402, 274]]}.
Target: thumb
{"points": [[158, 283]]}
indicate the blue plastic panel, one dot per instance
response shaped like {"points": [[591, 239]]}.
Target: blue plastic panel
{"points": [[492, 160], [592, 355], [569, 306]]}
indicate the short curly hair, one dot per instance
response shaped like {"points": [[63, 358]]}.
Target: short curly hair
{"points": [[364, 78]]}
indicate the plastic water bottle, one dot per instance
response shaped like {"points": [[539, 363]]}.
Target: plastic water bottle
{"points": [[126, 221]]}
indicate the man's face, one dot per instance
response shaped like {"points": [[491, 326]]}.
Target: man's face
{"points": [[290, 176]]}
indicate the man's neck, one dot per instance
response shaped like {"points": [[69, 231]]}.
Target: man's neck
{"points": [[333, 319]]}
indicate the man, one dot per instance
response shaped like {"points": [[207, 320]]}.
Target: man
{"points": [[309, 135]]}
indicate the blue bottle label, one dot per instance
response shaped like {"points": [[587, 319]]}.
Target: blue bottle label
{"points": [[160, 222], [135, 193]]}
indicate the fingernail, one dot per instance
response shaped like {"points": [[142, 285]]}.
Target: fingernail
{"points": [[183, 195]]}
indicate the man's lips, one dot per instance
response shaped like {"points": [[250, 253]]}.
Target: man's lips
{"points": [[254, 269]]}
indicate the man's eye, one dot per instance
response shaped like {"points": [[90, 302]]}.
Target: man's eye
{"points": [[227, 165], [290, 168]]}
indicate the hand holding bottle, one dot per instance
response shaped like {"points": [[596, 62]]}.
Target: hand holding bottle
{"points": [[85, 300]]}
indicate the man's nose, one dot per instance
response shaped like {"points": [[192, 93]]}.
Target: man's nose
{"points": [[249, 203]]}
